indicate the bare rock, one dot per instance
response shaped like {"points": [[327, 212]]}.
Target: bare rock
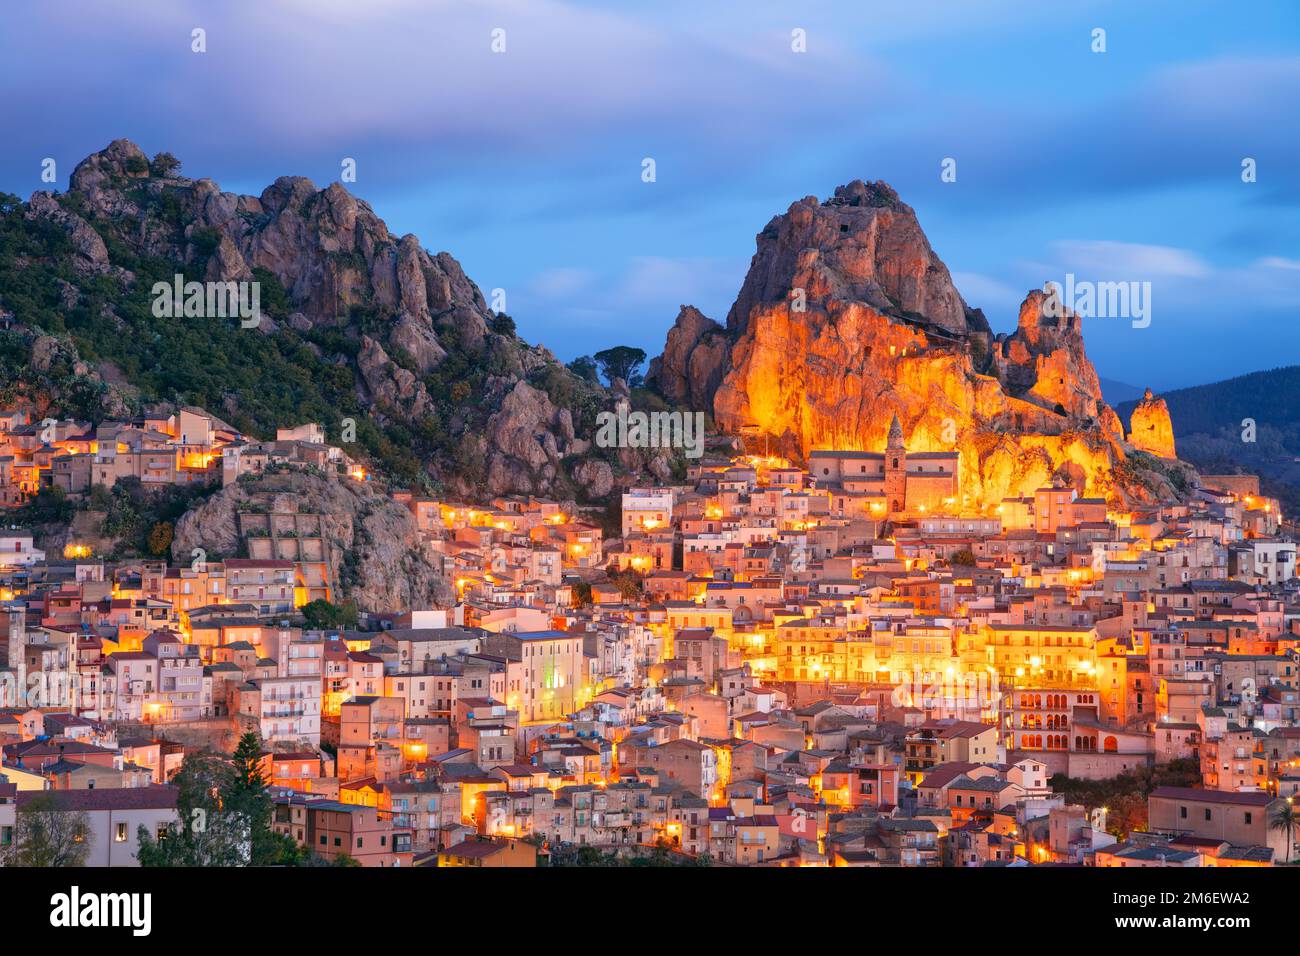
{"points": [[1150, 427], [595, 477], [92, 254], [374, 549]]}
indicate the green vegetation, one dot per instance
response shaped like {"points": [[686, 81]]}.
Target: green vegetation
{"points": [[322, 615], [584, 366], [629, 583], [46, 836], [1138, 462], [661, 854], [1285, 820], [103, 320], [160, 539], [621, 361], [1125, 796], [108, 322], [225, 815]]}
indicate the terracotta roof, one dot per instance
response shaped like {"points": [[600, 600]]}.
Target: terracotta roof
{"points": [[153, 797], [1214, 796]]}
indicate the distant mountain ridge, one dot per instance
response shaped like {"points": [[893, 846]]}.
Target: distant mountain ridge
{"points": [[1211, 420], [1117, 393]]}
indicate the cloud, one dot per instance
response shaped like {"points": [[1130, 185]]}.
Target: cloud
{"points": [[562, 283], [412, 81], [526, 165], [1108, 259], [1208, 322], [578, 311], [993, 295], [1278, 262]]}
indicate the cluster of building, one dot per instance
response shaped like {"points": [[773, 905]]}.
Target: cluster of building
{"points": [[181, 448], [836, 665]]}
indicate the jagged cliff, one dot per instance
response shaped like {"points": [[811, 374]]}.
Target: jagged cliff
{"points": [[847, 317], [357, 323]]}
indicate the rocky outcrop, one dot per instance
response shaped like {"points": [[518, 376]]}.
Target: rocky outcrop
{"points": [[380, 306], [57, 380], [526, 439], [374, 548], [863, 245], [596, 478], [1150, 427], [91, 253], [847, 317], [693, 361], [394, 389]]}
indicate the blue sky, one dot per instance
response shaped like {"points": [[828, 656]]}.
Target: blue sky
{"points": [[526, 165]]}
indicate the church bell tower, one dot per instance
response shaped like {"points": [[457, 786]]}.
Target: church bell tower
{"points": [[896, 469]]}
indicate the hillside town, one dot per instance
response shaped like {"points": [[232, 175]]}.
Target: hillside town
{"points": [[845, 664]]}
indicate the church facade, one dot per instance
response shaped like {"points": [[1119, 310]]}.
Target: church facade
{"points": [[894, 482]]}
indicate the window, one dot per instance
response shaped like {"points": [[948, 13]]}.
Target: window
{"points": [[120, 835], [1249, 818]]}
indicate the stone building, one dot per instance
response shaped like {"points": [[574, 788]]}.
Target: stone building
{"points": [[903, 482]]}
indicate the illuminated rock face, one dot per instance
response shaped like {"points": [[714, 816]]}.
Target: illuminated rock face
{"points": [[1150, 428], [847, 318]]}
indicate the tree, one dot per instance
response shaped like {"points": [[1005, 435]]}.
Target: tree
{"points": [[47, 836], [629, 583], [204, 835], [160, 538], [164, 165], [1127, 813], [246, 777], [322, 615], [1284, 818], [622, 361], [245, 797], [225, 815], [965, 557], [584, 366]]}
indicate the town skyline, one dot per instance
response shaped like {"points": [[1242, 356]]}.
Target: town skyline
{"points": [[443, 436]]}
